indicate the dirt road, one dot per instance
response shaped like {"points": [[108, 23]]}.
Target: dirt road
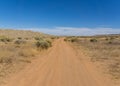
{"points": [[61, 65]]}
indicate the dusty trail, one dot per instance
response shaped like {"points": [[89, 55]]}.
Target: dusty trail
{"points": [[61, 66]]}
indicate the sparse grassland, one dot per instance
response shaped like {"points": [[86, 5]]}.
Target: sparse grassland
{"points": [[18, 48], [102, 49]]}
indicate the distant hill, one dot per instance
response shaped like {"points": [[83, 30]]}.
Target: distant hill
{"points": [[20, 33], [108, 35]]}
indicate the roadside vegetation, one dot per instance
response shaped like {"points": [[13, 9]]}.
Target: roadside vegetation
{"points": [[43, 43], [18, 50], [102, 49]]}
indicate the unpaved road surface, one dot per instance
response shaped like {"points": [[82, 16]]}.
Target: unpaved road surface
{"points": [[61, 65]]}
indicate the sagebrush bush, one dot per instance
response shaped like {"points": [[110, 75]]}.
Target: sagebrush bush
{"points": [[106, 39], [65, 39], [5, 39], [20, 42], [73, 39], [50, 43], [93, 40], [19, 37], [110, 42], [43, 44], [52, 37], [38, 38]]}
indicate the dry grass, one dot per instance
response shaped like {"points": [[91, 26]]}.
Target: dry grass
{"points": [[103, 49], [21, 34], [18, 48]]}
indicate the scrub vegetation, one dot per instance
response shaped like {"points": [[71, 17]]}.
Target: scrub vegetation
{"points": [[102, 49], [18, 48]]}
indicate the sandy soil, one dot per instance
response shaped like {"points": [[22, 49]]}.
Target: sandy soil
{"points": [[60, 65]]}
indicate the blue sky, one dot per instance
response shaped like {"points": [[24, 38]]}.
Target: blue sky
{"points": [[62, 17]]}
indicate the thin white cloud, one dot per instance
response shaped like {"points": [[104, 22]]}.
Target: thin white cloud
{"points": [[76, 31]]}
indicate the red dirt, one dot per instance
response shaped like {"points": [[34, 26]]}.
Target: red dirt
{"points": [[61, 65]]}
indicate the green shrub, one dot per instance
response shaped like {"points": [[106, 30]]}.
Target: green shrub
{"points": [[43, 44], [5, 39], [107, 39], [50, 43], [38, 38], [93, 40], [65, 39], [20, 42], [19, 37], [110, 42], [52, 37], [73, 39]]}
